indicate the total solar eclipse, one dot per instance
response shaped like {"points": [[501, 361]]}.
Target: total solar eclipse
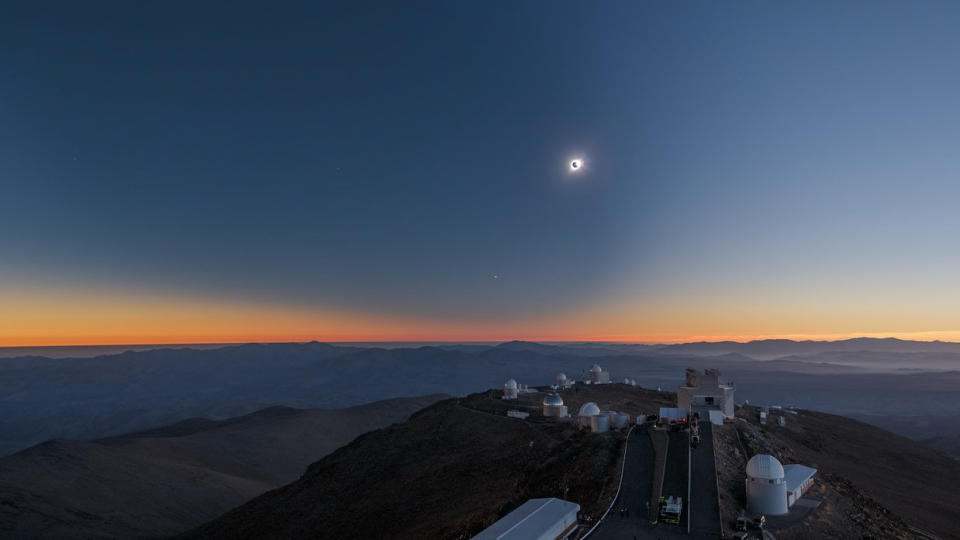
{"points": [[576, 164]]}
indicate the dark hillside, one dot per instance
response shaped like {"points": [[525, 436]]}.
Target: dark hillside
{"points": [[457, 466], [449, 472], [916, 483], [162, 481]]}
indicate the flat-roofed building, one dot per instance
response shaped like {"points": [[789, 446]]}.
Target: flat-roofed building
{"points": [[536, 519], [704, 391], [799, 478]]}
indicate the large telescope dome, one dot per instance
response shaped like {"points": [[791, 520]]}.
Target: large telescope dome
{"points": [[589, 409], [553, 400], [764, 466]]}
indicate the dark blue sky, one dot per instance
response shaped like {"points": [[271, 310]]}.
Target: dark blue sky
{"points": [[393, 159]]}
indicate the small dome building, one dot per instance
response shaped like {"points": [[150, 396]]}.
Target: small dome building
{"points": [[510, 389], [598, 375], [553, 406], [589, 409], [766, 486], [561, 380]]}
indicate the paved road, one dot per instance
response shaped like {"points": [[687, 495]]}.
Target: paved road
{"points": [[635, 492], [675, 479], [704, 506]]}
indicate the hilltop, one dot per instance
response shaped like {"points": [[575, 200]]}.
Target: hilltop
{"points": [[457, 466], [164, 480], [450, 471]]}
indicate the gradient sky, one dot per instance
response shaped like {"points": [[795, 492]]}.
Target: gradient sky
{"points": [[182, 171]]}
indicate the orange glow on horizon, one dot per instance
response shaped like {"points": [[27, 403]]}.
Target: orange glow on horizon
{"points": [[38, 316], [81, 341]]}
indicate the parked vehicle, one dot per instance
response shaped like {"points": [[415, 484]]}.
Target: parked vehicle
{"points": [[670, 509]]}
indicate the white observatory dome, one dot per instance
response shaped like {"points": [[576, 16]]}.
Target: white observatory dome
{"points": [[589, 409], [510, 383], [764, 466], [561, 378], [553, 400], [595, 369]]}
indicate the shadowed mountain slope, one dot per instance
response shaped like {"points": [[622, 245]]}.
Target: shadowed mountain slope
{"points": [[162, 481], [948, 444], [449, 472]]}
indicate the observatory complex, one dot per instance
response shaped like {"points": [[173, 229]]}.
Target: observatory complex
{"points": [[681, 454]]}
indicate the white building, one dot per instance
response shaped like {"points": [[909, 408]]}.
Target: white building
{"points": [[588, 410], [799, 478], [705, 391], [620, 420], [562, 381], [536, 519], [598, 375], [553, 406], [510, 389], [600, 423], [766, 487]]}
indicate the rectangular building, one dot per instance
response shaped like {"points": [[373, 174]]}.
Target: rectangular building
{"points": [[704, 391], [536, 519], [798, 478]]}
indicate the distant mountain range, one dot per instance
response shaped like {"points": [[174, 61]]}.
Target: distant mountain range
{"points": [[82, 398], [165, 480], [759, 349]]}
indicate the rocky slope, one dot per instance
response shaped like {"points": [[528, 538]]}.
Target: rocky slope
{"points": [[870, 481]]}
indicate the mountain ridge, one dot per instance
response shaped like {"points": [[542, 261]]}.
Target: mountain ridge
{"points": [[163, 480]]}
